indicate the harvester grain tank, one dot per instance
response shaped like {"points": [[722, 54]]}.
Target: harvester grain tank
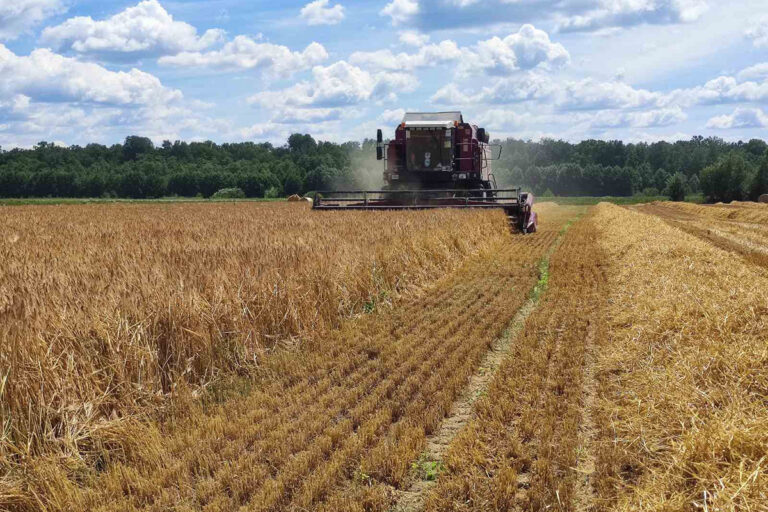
{"points": [[436, 160]]}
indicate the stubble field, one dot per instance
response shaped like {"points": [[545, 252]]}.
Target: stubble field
{"points": [[267, 357]]}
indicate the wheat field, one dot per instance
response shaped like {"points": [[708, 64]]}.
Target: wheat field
{"points": [[107, 309], [266, 357]]}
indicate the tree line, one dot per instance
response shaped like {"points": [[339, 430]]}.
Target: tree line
{"points": [[721, 171]]}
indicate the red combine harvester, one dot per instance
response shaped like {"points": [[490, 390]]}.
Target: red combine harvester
{"points": [[436, 160]]}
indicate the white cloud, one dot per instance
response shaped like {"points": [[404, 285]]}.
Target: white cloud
{"points": [[589, 94], [758, 33], [338, 85], [741, 118], [528, 87], [450, 95], [144, 30], [619, 13], [19, 16], [619, 103], [48, 77], [413, 38], [756, 72], [642, 119], [245, 53], [401, 11], [394, 116], [319, 13], [724, 89], [306, 115], [527, 49], [331, 95], [429, 55], [83, 121], [499, 119]]}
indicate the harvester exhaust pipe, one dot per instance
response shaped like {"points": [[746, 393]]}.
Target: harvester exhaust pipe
{"points": [[379, 145]]}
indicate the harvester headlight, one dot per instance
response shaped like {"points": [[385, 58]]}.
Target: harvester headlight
{"points": [[463, 176]]}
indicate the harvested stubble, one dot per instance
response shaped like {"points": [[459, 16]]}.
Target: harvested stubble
{"points": [[683, 378], [736, 211], [529, 437], [104, 309], [331, 426], [741, 228], [639, 383]]}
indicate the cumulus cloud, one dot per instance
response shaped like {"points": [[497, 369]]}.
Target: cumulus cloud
{"points": [[450, 95], [338, 85], [19, 16], [590, 94], [500, 119], [49, 96], [526, 49], [724, 89], [319, 13], [643, 119], [516, 89], [741, 118], [566, 15], [427, 56], [413, 38], [758, 33], [331, 95], [394, 116], [245, 53], [620, 13], [756, 72], [48, 77], [306, 115], [401, 11], [146, 29]]}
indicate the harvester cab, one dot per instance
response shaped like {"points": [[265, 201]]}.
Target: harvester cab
{"points": [[436, 160]]}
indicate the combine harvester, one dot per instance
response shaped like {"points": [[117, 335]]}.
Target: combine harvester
{"points": [[436, 160]]}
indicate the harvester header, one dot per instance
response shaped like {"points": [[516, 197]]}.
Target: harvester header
{"points": [[436, 160]]}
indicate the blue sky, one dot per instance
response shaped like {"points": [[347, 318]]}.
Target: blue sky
{"points": [[84, 71]]}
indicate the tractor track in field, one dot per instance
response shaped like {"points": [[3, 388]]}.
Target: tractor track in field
{"points": [[461, 413], [713, 231], [584, 491]]}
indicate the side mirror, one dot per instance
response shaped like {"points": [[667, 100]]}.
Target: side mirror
{"points": [[379, 148], [483, 136]]}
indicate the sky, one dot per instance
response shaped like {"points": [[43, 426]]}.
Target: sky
{"points": [[82, 71]]}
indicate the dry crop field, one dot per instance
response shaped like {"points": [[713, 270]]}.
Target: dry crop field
{"points": [[266, 357]]}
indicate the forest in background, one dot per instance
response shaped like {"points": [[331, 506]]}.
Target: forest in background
{"points": [[720, 170]]}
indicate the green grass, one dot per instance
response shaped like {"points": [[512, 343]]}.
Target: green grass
{"points": [[586, 200], [99, 200]]}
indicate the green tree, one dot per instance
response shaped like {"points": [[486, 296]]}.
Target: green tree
{"points": [[759, 185], [676, 187], [136, 146], [727, 179]]}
